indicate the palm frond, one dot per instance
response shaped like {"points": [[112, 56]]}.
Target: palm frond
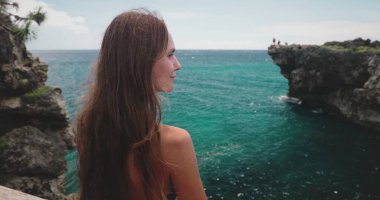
{"points": [[4, 2], [21, 26], [25, 31], [15, 6], [37, 16]]}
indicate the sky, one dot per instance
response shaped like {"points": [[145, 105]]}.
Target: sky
{"points": [[210, 24]]}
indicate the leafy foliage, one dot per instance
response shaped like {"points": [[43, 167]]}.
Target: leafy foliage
{"points": [[360, 49], [38, 92], [3, 145], [20, 26]]}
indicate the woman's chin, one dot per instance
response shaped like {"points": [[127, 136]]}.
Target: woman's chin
{"points": [[168, 90]]}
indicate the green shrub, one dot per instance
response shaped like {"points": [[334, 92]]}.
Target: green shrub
{"points": [[3, 146], [38, 92], [361, 49], [23, 82]]}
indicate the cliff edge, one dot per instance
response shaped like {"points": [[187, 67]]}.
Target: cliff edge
{"points": [[340, 77], [35, 133]]}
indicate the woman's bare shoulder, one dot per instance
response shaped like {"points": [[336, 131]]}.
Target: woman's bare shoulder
{"points": [[176, 143], [173, 136], [178, 151]]}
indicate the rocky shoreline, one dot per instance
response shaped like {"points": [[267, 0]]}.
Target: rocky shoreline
{"points": [[35, 132], [342, 78]]}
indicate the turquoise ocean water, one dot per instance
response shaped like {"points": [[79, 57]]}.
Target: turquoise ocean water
{"points": [[249, 143]]}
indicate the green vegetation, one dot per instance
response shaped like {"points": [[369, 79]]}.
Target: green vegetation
{"points": [[360, 49], [3, 145], [23, 82], [20, 26], [38, 92]]}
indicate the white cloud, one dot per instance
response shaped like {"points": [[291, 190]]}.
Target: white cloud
{"points": [[260, 37], [55, 18], [237, 43], [320, 32]]}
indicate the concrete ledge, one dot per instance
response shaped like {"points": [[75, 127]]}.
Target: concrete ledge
{"points": [[11, 194]]}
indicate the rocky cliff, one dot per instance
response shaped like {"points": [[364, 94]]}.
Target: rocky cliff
{"points": [[35, 133], [340, 77]]}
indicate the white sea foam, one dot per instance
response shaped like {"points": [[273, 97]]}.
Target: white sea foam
{"points": [[290, 99]]}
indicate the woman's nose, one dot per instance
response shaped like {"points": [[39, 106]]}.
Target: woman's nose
{"points": [[177, 65]]}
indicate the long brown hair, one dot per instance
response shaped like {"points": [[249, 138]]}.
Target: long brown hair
{"points": [[121, 111]]}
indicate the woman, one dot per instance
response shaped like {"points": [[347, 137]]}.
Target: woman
{"points": [[124, 150]]}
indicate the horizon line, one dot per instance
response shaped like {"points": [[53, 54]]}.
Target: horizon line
{"points": [[176, 49]]}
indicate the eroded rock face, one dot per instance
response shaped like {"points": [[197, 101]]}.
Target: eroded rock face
{"points": [[33, 185], [30, 145], [19, 71], [6, 47], [44, 110], [344, 78], [35, 133]]}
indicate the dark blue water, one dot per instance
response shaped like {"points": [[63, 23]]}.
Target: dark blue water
{"points": [[249, 143]]}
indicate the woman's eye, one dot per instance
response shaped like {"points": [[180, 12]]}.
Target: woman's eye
{"points": [[171, 55]]}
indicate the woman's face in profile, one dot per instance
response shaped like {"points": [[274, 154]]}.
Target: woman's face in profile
{"points": [[164, 69]]}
